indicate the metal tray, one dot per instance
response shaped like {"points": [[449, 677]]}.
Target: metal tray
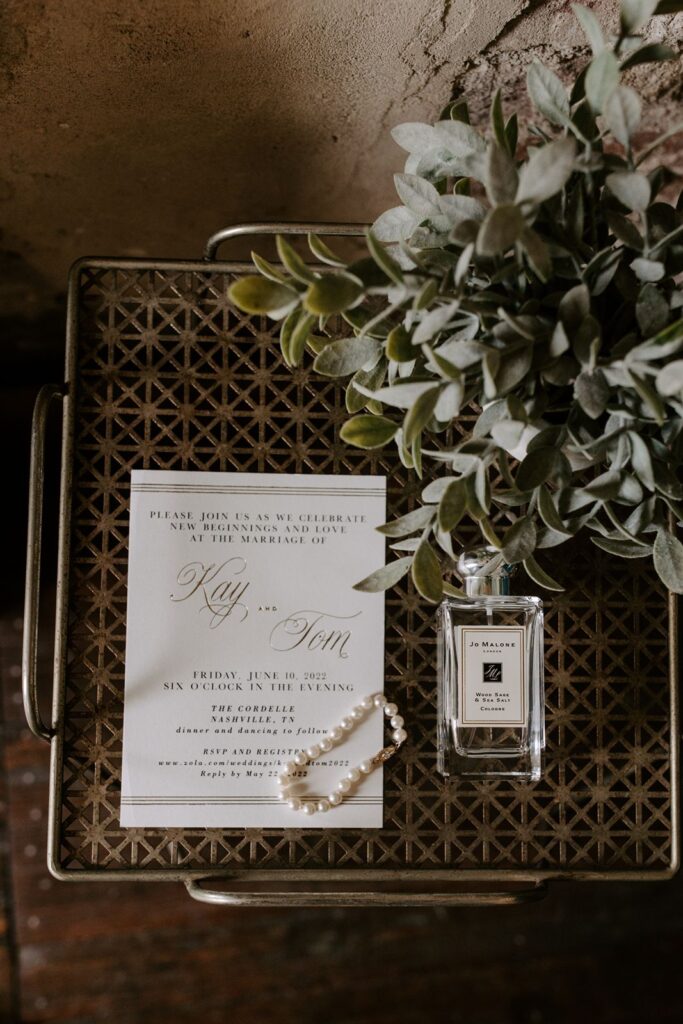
{"points": [[161, 372]]}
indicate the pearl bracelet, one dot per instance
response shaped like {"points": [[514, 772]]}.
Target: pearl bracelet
{"points": [[336, 735]]}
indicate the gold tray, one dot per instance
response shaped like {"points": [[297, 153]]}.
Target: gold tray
{"points": [[163, 373]]}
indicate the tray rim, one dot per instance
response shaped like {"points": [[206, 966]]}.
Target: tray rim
{"points": [[345, 877]]}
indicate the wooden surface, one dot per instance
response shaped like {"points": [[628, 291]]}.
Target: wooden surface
{"points": [[81, 953]]}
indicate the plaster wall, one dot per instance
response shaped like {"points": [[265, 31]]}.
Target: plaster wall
{"points": [[138, 127]]}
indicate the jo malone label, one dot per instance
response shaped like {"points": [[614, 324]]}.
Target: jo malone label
{"points": [[491, 682]]}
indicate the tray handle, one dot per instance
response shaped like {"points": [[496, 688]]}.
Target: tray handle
{"points": [[370, 897], [29, 654], [283, 228]]}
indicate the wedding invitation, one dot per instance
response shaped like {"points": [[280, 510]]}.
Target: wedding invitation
{"points": [[246, 642]]}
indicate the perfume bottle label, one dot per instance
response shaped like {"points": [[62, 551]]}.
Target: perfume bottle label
{"points": [[491, 681]]}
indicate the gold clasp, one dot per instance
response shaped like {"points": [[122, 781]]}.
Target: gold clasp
{"points": [[384, 755]]}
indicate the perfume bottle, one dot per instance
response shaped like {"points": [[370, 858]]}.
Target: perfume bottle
{"points": [[491, 719]]}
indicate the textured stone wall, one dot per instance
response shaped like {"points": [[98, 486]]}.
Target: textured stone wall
{"points": [[138, 127]]}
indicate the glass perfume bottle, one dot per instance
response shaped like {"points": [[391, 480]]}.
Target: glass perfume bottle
{"points": [[491, 719]]}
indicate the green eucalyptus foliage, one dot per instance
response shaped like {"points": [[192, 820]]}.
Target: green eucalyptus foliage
{"points": [[544, 292]]}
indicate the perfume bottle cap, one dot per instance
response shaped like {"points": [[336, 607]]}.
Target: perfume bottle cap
{"points": [[484, 572]]}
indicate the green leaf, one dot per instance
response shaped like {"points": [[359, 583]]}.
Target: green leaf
{"points": [[669, 380], [299, 337], [575, 305], [254, 294], [622, 548], [649, 396], [323, 252], [427, 573], [332, 293], [624, 229], [622, 113], [286, 331], [453, 505], [420, 414], [631, 189], [539, 575], [651, 52], [547, 171], [668, 559], [652, 310], [293, 262], [267, 269], [387, 576], [548, 512], [399, 345], [519, 541], [498, 120], [384, 261], [502, 227], [511, 132], [641, 460], [604, 487], [538, 254], [409, 523], [364, 379], [346, 355], [635, 13], [602, 78], [547, 93], [592, 392], [648, 270], [501, 175], [367, 431], [537, 467], [591, 27]]}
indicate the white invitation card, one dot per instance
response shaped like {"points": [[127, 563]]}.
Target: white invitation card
{"points": [[246, 642]]}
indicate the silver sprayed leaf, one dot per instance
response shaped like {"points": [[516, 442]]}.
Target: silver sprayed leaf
{"points": [[501, 175], [622, 113], [602, 78], [519, 541], [387, 576], [669, 380], [419, 195], [630, 188], [668, 559], [501, 229], [592, 392], [427, 573], [591, 27], [635, 13], [547, 170], [346, 355], [547, 93]]}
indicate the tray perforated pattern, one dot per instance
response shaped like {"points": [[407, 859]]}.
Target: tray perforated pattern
{"points": [[168, 376]]}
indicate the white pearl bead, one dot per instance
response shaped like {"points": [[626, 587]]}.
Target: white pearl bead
{"points": [[344, 785], [334, 799], [353, 774], [294, 803], [399, 735], [313, 751], [325, 744], [284, 779], [323, 805], [347, 724], [285, 795], [301, 758], [379, 700], [308, 808], [396, 722], [390, 710], [335, 734], [356, 714], [291, 767], [367, 703], [366, 767]]}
